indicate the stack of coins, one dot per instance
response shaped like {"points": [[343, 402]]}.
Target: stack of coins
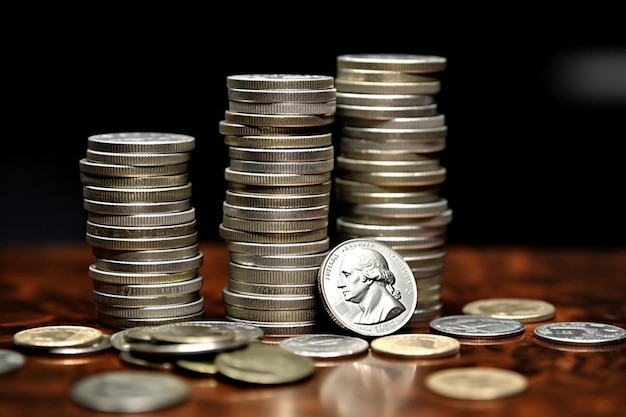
{"points": [[275, 214], [388, 171], [142, 228]]}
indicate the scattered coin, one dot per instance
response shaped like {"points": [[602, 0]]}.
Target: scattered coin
{"points": [[129, 391], [324, 345], [476, 327], [190, 334], [10, 360], [57, 336], [102, 344], [416, 345], [367, 287], [260, 363], [525, 310], [580, 333], [204, 366], [476, 383]]}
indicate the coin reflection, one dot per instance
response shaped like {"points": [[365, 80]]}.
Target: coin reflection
{"points": [[369, 387]]}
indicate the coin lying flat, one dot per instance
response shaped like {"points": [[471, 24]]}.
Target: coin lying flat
{"points": [[367, 287], [129, 391], [57, 336], [476, 383], [524, 310], [476, 327], [324, 345], [580, 333], [260, 363], [10, 360], [103, 344], [190, 334], [416, 345]]}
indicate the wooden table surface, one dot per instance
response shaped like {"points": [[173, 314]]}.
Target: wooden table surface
{"points": [[49, 284]]}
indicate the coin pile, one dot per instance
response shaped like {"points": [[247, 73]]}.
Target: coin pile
{"points": [[388, 171], [142, 228], [232, 349], [275, 214]]}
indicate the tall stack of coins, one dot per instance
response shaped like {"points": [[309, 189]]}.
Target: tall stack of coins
{"points": [[275, 214], [142, 228], [388, 171]]}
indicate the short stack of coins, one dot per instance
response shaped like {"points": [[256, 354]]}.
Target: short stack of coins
{"points": [[142, 229], [388, 171], [278, 128]]}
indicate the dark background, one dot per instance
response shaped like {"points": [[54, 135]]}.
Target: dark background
{"points": [[535, 109]]}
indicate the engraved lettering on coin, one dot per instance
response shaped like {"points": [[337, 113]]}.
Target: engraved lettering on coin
{"points": [[57, 336], [476, 383], [129, 391], [476, 326], [416, 345], [324, 345], [367, 287], [582, 333]]}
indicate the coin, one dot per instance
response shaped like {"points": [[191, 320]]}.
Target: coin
{"points": [[416, 345], [129, 391], [199, 366], [367, 287], [56, 336], [261, 363], [10, 360], [476, 327], [190, 334], [103, 344], [525, 310], [476, 383], [324, 345], [580, 333]]}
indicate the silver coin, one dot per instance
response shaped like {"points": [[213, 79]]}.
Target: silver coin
{"points": [[581, 333], [367, 287], [476, 326], [324, 345], [129, 391], [10, 360], [190, 334], [103, 344], [54, 336]]}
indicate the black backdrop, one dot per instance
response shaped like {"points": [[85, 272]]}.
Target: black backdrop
{"points": [[535, 112]]}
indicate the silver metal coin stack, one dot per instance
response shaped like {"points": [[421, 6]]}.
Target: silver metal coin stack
{"points": [[142, 228], [388, 171], [278, 128]]}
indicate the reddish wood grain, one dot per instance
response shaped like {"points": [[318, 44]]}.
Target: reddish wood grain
{"points": [[49, 285]]}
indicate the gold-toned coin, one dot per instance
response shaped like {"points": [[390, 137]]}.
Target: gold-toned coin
{"points": [[55, 336], [476, 383], [416, 345], [525, 310]]}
